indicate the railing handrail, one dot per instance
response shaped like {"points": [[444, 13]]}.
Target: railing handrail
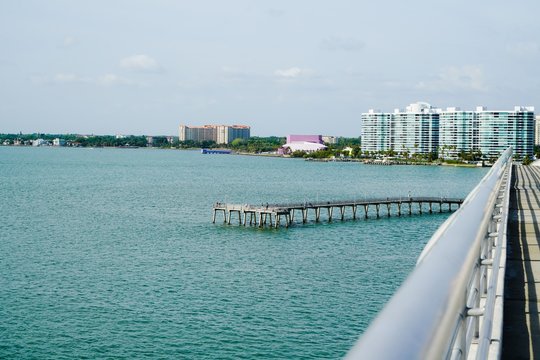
{"points": [[424, 316]]}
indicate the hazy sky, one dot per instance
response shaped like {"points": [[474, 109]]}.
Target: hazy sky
{"points": [[144, 67]]}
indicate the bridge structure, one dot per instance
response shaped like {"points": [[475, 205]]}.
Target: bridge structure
{"points": [[272, 214], [451, 305]]}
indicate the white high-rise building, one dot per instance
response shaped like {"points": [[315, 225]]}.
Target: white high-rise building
{"points": [[424, 129], [499, 129], [376, 131], [415, 130], [458, 132], [537, 131]]}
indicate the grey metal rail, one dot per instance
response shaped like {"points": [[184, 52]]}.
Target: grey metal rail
{"points": [[450, 306]]}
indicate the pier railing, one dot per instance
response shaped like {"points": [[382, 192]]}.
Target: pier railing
{"points": [[450, 306]]}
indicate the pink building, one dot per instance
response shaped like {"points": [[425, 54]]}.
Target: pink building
{"points": [[305, 138], [306, 143]]}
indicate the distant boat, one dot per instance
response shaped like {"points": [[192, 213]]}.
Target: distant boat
{"points": [[215, 151]]}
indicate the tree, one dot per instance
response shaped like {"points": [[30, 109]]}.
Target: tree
{"points": [[298, 154], [526, 160], [238, 142]]}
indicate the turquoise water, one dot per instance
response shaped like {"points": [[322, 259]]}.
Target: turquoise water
{"points": [[112, 253]]}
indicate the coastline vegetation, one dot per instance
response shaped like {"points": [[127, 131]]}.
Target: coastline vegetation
{"points": [[348, 149]]}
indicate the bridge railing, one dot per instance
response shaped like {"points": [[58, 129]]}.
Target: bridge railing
{"points": [[450, 306]]}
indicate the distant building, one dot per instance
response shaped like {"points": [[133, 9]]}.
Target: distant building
{"points": [[306, 143], [59, 142], [40, 142], [221, 134], [309, 138], [227, 133], [424, 129], [329, 139]]}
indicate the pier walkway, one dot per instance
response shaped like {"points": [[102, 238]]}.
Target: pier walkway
{"points": [[272, 214], [521, 329]]}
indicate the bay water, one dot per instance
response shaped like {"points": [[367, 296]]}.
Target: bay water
{"points": [[111, 253]]}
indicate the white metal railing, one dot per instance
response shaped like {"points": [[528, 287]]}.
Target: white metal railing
{"points": [[450, 306]]}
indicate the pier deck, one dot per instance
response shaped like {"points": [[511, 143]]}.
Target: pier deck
{"points": [[271, 214], [521, 332]]}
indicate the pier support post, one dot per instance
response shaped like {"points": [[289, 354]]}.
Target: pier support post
{"points": [[366, 209], [377, 207], [399, 208], [354, 208], [229, 220], [304, 215], [342, 211], [420, 206], [292, 215], [245, 218], [440, 207], [388, 208], [317, 214], [214, 217], [430, 207], [330, 211], [260, 219], [410, 207]]}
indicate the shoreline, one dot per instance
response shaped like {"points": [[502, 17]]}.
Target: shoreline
{"points": [[271, 155]]}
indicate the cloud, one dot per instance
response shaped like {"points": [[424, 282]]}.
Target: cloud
{"points": [[65, 78], [467, 77], [140, 63], [113, 79], [292, 73], [337, 43]]}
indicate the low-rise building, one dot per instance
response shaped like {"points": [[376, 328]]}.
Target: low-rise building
{"points": [[39, 142], [305, 143], [327, 139], [59, 142], [318, 139]]}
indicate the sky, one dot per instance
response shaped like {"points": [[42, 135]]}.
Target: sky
{"points": [[282, 67]]}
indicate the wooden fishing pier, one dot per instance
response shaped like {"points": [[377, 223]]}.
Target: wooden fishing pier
{"points": [[272, 214]]}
